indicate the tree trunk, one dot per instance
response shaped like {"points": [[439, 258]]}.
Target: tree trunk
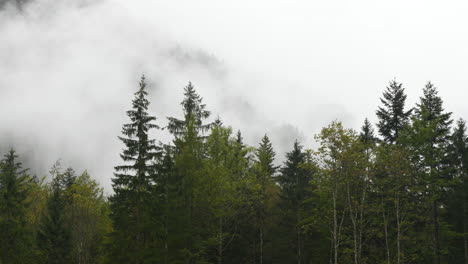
{"points": [[261, 245], [220, 241], [398, 222], [335, 232], [435, 219], [386, 234], [299, 242]]}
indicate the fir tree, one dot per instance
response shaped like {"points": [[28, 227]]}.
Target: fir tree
{"points": [[431, 111], [427, 139], [367, 135], [132, 182], [15, 238], [55, 234], [188, 238], [265, 161], [458, 198], [241, 160], [392, 115], [294, 181], [194, 114], [265, 171]]}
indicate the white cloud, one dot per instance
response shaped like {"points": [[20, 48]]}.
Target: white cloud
{"points": [[286, 68]]}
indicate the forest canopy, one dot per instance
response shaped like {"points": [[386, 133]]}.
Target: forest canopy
{"points": [[393, 192]]}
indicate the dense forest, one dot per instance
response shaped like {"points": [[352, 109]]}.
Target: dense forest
{"points": [[396, 193]]}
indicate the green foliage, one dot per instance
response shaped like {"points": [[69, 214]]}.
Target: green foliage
{"points": [[207, 197], [131, 202], [54, 234], [392, 115], [16, 236]]}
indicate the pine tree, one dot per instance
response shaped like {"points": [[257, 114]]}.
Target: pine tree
{"points": [[187, 237], [458, 199], [294, 181], [392, 115], [194, 115], [221, 185], [163, 191], [427, 139], [15, 238], [265, 171], [241, 160], [132, 183], [367, 135], [55, 235]]}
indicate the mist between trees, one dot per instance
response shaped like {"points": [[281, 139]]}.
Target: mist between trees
{"points": [[394, 195]]}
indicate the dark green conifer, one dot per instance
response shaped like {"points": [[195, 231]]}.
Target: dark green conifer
{"points": [[294, 181], [392, 115], [367, 135], [132, 183], [15, 238], [428, 142], [55, 234], [265, 161], [264, 170], [188, 237], [457, 204], [194, 114]]}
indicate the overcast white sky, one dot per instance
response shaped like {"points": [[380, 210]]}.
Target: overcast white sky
{"points": [[286, 68]]}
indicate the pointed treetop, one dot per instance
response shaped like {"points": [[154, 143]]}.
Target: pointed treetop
{"points": [[392, 115], [266, 156], [459, 138], [367, 135], [140, 152], [194, 113], [430, 105]]}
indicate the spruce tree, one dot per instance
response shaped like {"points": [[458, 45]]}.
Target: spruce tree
{"points": [[427, 140], [367, 135], [194, 115], [132, 183], [265, 171], [392, 115], [458, 197], [187, 237], [294, 181], [241, 160], [15, 238], [431, 111], [55, 235]]}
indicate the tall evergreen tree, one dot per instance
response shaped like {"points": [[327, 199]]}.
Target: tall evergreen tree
{"points": [[55, 234], [266, 168], [194, 115], [132, 183], [188, 239], [265, 171], [392, 115], [241, 160], [367, 135], [457, 206], [427, 139], [163, 203], [15, 238], [294, 181]]}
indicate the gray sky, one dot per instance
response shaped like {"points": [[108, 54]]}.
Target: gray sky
{"points": [[286, 68]]}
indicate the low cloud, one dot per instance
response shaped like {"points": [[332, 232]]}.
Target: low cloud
{"points": [[68, 70]]}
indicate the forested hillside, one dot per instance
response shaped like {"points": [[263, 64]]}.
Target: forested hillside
{"points": [[393, 192]]}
